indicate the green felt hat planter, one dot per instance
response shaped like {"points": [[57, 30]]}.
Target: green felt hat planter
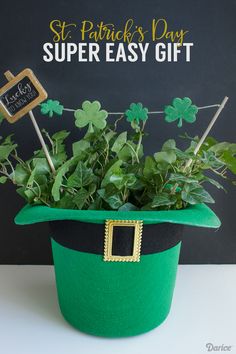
{"points": [[116, 216], [112, 294]]}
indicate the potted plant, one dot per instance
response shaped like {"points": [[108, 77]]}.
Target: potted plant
{"points": [[116, 216]]}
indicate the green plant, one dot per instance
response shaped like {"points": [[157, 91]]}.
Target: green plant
{"points": [[107, 169]]}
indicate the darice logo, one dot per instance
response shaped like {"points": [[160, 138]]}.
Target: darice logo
{"points": [[218, 348], [128, 43]]}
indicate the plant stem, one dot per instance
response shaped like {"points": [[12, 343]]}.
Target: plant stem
{"points": [[135, 153], [12, 168], [50, 140], [39, 189], [140, 137], [116, 122]]}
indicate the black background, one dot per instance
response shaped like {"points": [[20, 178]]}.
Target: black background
{"points": [[24, 27]]}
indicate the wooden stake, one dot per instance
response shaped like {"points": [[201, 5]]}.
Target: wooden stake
{"points": [[36, 127], [208, 129]]}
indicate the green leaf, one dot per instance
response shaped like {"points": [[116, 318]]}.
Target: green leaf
{"points": [[195, 194], [221, 147], [31, 194], [208, 143], [169, 145], [128, 207], [119, 142], [21, 174], [129, 180], [123, 180], [214, 183], [80, 198], [8, 140], [5, 151], [41, 165], [66, 202], [108, 136], [147, 206], [163, 199], [81, 177], [229, 160], [176, 177], [30, 181], [150, 167], [183, 155], [96, 205], [3, 179], [59, 178], [117, 180], [92, 188], [127, 152], [211, 161], [166, 157], [21, 192], [114, 201], [138, 185], [226, 153], [114, 170], [79, 147], [61, 135], [58, 159]]}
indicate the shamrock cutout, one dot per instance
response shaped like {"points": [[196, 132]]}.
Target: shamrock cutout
{"points": [[181, 109], [90, 114], [50, 107], [136, 112]]}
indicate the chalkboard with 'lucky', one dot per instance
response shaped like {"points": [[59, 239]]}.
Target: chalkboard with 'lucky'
{"points": [[20, 95]]}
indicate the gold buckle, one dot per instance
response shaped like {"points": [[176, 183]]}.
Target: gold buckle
{"points": [[138, 229]]}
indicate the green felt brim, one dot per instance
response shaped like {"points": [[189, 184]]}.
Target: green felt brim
{"points": [[196, 215]]}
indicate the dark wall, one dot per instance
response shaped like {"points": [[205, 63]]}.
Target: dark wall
{"points": [[206, 79]]}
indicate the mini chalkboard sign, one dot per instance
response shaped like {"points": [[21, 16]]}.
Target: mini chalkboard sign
{"points": [[20, 95]]}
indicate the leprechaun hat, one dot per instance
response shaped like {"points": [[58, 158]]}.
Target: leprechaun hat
{"points": [[113, 280]]}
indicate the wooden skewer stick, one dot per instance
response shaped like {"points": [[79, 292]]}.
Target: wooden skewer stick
{"points": [[208, 129], [36, 127]]}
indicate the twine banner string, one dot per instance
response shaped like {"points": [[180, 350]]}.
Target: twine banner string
{"points": [[151, 112]]}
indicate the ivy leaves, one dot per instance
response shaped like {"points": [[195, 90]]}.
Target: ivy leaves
{"points": [[226, 153], [81, 177], [195, 194], [107, 169], [105, 173]]}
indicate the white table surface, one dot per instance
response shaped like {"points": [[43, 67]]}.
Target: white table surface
{"points": [[203, 311]]}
